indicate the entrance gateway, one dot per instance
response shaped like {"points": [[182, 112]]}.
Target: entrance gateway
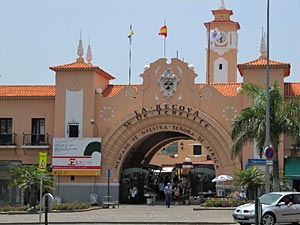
{"points": [[134, 142], [175, 122]]}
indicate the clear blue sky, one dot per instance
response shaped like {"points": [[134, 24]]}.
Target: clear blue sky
{"points": [[36, 34]]}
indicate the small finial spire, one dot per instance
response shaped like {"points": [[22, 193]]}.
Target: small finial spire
{"points": [[89, 53], [222, 4], [263, 49], [80, 50]]}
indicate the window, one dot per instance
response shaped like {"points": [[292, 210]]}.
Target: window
{"points": [[73, 130], [38, 131], [170, 150], [5, 130], [220, 66], [197, 149]]}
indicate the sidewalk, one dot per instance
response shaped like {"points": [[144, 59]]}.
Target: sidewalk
{"points": [[129, 214]]}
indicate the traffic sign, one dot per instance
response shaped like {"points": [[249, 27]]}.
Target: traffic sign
{"points": [[43, 162], [269, 153]]}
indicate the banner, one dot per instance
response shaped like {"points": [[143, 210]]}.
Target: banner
{"points": [[72, 156], [43, 162]]}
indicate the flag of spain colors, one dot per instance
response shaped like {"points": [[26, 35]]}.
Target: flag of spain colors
{"points": [[163, 31]]}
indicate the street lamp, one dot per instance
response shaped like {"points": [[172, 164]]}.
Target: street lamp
{"points": [[267, 188]]}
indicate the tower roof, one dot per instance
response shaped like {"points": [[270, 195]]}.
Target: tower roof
{"points": [[261, 63], [222, 15], [81, 66]]}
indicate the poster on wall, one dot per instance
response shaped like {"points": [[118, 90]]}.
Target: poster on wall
{"points": [[76, 157]]}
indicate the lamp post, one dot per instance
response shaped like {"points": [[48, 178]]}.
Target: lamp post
{"points": [[267, 188]]}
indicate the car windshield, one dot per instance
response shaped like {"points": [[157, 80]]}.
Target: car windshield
{"points": [[269, 199]]}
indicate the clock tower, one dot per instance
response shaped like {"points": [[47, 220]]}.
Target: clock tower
{"points": [[222, 43]]}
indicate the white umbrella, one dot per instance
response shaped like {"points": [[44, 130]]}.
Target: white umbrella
{"points": [[222, 178]]}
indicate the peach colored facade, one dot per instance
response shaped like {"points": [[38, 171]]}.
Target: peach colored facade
{"points": [[134, 122]]}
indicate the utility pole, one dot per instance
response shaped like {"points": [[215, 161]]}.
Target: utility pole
{"points": [[267, 188]]}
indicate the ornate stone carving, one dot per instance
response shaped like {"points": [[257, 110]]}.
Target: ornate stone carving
{"points": [[206, 92], [130, 92], [168, 83], [107, 113]]}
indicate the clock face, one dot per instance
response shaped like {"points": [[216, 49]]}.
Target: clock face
{"points": [[222, 39]]}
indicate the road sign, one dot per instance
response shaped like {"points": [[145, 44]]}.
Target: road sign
{"points": [[43, 162], [108, 173], [269, 153]]}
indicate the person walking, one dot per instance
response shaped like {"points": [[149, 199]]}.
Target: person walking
{"points": [[161, 187], [168, 194]]}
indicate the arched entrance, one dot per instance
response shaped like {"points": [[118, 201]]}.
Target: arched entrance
{"points": [[142, 133]]}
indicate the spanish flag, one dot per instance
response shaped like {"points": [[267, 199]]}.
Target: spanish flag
{"points": [[163, 31]]}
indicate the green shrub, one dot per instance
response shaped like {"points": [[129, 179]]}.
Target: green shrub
{"points": [[224, 202], [61, 206], [71, 206], [9, 208]]}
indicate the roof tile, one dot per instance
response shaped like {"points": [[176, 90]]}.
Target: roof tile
{"points": [[261, 63], [226, 89], [81, 66], [27, 91]]}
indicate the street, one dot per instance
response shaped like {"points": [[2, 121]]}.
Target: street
{"points": [[129, 214]]}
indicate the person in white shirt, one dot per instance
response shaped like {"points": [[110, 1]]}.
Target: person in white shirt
{"points": [[243, 194], [168, 194]]}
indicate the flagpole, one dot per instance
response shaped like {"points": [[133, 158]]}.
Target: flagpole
{"points": [[164, 47], [164, 32], [164, 42], [130, 44], [129, 71], [208, 56]]}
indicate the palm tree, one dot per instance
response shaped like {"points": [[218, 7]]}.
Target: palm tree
{"points": [[250, 125], [253, 178], [292, 112], [27, 178]]}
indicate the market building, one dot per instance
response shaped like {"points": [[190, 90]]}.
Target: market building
{"points": [[93, 131]]}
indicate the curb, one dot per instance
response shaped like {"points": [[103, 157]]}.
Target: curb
{"points": [[215, 208], [108, 222]]}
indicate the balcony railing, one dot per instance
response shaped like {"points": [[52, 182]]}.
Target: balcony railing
{"points": [[8, 139], [36, 139]]}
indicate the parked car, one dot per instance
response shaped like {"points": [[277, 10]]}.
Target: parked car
{"points": [[277, 207]]}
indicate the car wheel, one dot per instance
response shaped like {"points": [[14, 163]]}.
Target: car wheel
{"points": [[268, 219]]}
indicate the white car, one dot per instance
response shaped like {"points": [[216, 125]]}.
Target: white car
{"points": [[277, 207]]}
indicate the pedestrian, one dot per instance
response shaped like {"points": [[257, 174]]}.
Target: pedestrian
{"points": [[161, 187], [243, 194], [133, 195], [234, 194], [168, 194]]}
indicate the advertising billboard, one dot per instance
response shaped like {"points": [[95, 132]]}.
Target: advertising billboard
{"points": [[76, 156]]}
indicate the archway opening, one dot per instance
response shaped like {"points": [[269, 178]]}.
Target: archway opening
{"points": [[163, 157]]}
